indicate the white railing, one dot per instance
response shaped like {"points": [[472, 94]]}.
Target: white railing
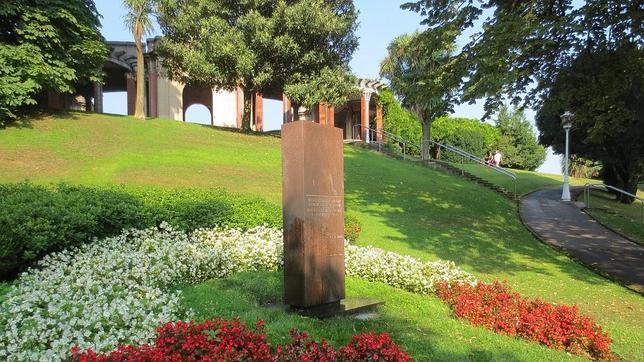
{"points": [[604, 187], [372, 135]]}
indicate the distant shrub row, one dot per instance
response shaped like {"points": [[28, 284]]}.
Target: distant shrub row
{"points": [[470, 135], [36, 220], [513, 135]]}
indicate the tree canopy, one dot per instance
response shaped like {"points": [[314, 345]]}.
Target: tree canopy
{"points": [[604, 91], [331, 85], [46, 45], [526, 52], [418, 72], [260, 45], [523, 45], [518, 142]]}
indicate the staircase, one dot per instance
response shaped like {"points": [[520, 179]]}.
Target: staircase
{"points": [[442, 166], [446, 167]]}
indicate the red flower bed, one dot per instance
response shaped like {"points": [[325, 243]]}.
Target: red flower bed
{"points": [[496, 307], [223, 340]]}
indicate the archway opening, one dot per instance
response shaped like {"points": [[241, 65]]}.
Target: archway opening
{"points": [[194, 95], [198, 113], [115, 103], [273, 114], [114, 91]]}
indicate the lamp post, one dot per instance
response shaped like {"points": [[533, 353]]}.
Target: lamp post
{"points": [[565, 193]]}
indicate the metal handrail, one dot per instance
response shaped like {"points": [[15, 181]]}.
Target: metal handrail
{"points": [[388, 135], [605, 187], [476, 159], [456, 150]]}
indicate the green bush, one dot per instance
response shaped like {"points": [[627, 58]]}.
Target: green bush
{"points": [[37, 220], [189, 209], [352, 227], [400, 122], [518, 143], [470, 135]]}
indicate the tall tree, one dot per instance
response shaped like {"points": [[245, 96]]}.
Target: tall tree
{"points": [[258, 45], [518, 141], [139, 20], [46, 45], [418, 72], [608, 116], [524, 48], [332, 86]]}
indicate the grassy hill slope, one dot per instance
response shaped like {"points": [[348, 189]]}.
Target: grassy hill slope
{"points": [[104, 149], [403, 207]]}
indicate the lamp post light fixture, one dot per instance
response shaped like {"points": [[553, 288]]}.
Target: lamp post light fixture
{"points": [[565, 193]]}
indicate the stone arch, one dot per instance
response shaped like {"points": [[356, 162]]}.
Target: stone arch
{"points": [[197, 95], [195, 113]]}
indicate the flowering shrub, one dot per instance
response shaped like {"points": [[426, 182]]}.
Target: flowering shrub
{"points": [[401, 271], [496, 307], [304, 348], [352, 227], [225, 340], [367, 346], [186, 341], [117, 290]]}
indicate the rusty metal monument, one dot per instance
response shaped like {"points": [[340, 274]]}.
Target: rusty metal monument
{"points": [[313, 216]]}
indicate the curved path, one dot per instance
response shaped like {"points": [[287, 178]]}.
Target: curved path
{"points": [[565, 226]]}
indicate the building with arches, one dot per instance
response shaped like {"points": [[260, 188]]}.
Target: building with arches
{"points": [[165, 98]]}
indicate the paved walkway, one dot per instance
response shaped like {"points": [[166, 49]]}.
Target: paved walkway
{"points": [[565, 226]]}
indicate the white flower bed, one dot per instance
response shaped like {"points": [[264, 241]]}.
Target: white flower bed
{"points": [[118, 290], [401, 271]]}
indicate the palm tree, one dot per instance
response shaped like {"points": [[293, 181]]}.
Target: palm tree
{"points": [[417, 73], [139, 21]]}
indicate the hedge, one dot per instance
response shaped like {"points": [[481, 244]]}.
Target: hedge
{"points": [[400, 122], [470, 135], [37, 220]]}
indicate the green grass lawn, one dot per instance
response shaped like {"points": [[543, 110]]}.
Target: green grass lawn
{"points": [[527, 181], [105, 149], [625, 219], [421, 325], [402, 206]]}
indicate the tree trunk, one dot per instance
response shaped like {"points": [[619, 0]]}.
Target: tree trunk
{"points": [[427, 129], [139, 113], [296, 111], [627, 181], [623, 178], [248, 104]]}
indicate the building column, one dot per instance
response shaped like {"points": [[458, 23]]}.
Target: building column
{"points": [[287, 111], [131, 94], [364, 116], [331, 117], [98, 98], [259, 112], [379, 135], [153, 84], [240, 106], [321, 109]]}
